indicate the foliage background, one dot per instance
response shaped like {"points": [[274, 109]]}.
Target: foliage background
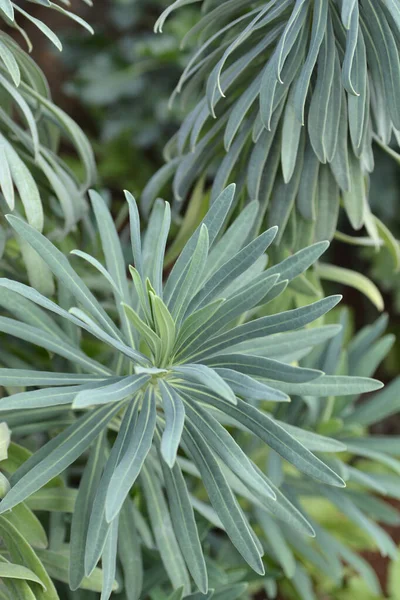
{"points": [[124, 112]]}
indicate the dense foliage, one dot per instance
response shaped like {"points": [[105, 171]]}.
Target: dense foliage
{"points": [[182, 408], [288, 100]]}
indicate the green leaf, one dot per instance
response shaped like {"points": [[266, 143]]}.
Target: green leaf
{"points": [[222, 499], [247, 297], [249, 388], [129, 552], [324, 113], [176, 595], [263, 326], [225, 446], [184, 524], [299, 262], [114, 257], [232, 269], [189, 282], [134, 220], [57, 455], [25, 520], [7, 7], [283, 344], [330, 385], [6, 182], [276, 538], [353, 279], [57, 564], [24, 108], [214, 221], [52, 396], [90, 325], [291, 130], [25, 377], [132, 459], [97, 265], [37, 336], [280, 440], [150, 337], [81, 514], [114, 392], [21, 552], [154, 244], [9, 570], [174, 412], [379, 407], [354, 199], [350, 510], [208, 377], [328, 205], [108, 560], [27, 188], [98, 526], [165, 327], [54, 499], [303, 81], [259, 366], [61, 268], [390, 242], [163, 530]]}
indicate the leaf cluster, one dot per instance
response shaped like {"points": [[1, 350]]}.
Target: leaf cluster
{"points": [[178, 364], [287, 98]]}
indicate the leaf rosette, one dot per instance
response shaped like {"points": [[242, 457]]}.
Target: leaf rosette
{"points": [[181, 362]]}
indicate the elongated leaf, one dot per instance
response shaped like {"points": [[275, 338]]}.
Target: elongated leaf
{"points": [[228, 450], [188, 284], [378, 407], [160, 519], [114, 392], [109, 560], [129, 552], [9, 570], [25, 377], [154, 244], [53, 396], [56, 455], [131, 462], [285, 321], [278, 542], [249, 388], [214, 221], [209, 378], [174, 411], [81, 514], [330, 385], [354, 279], [223, 501], [57, 564], [184, 525], [21, 552], [98, 526], [25, 520], [246, 298], [259, 366], [232, 269], [61, 268], [277, 438], [37, 336]]}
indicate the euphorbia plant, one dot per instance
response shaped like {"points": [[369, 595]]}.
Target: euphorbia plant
{"points": [[175, 359]]}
